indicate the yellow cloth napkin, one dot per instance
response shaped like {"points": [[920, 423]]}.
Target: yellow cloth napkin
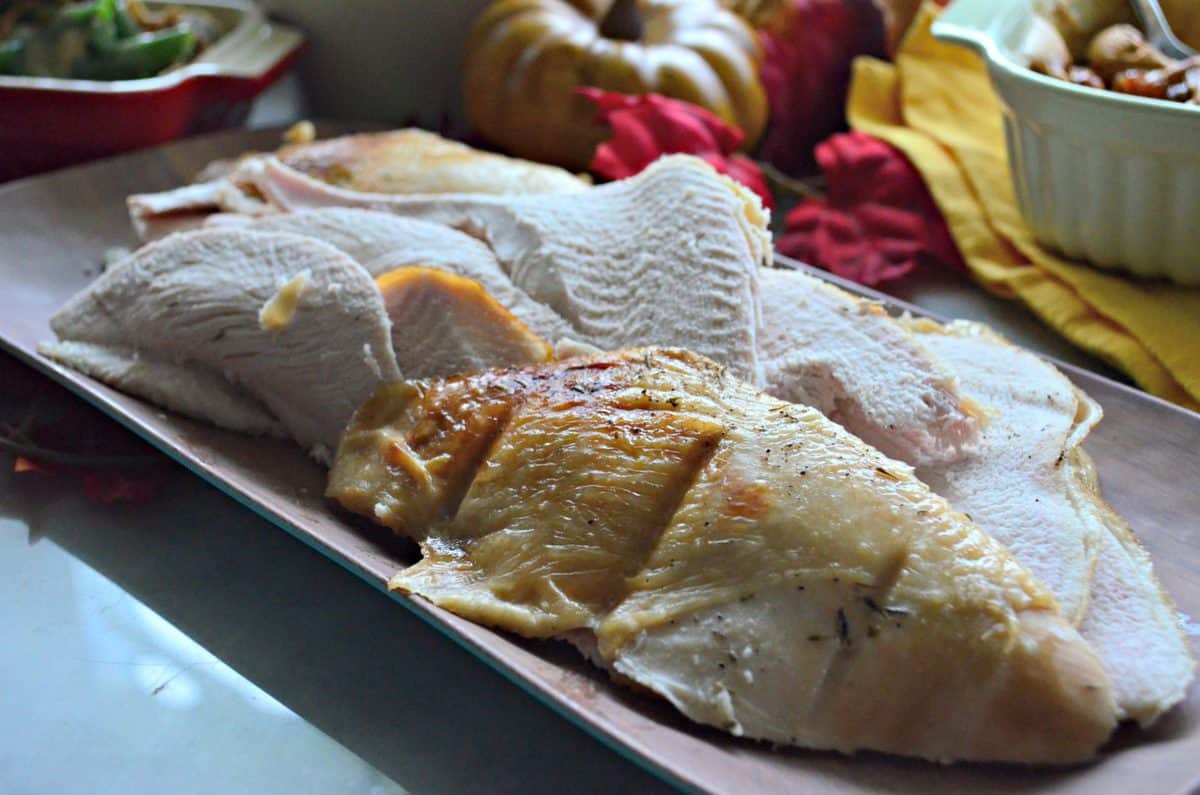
{"points": [[937, 106]]}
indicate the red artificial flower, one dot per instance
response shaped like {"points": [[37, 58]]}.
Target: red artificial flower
{"points": [[648, 126], [878, 220], [808, 46]]}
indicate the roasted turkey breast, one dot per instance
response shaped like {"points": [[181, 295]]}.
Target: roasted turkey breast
{"points": [[295, 324], [823, 347], [669, 256], [673, 256], [745, 558], [1033, 488]]}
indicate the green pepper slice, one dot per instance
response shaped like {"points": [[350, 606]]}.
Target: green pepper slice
{"points": [[77, 13], [102, 33], [126, 27], [12, 56], [144, 55]]}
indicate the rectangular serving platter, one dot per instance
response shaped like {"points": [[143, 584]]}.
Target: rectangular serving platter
{"points": [[53, 232]]}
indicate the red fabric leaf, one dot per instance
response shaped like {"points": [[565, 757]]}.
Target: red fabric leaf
{"points": [[840, 241], [62, 423], [108, 487], [647, 126], [878, 221], [808, 46], [102, 486]]}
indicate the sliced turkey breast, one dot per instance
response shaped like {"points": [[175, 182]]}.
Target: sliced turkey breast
{"points": [[417, 161], [1130, 621], [383, 242], [1013, 484], [294, 322], [669, 256], [192, 390], [443, 324], [1031, 486], [156, 215], [745, 558], [409, 161], [823, 347]]}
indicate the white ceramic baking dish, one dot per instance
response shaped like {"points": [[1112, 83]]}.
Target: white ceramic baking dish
{"points": [[1109, 178]]}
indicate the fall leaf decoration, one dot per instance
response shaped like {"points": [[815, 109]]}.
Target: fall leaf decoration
{"points": [[104, 486], [108, 487], [808, 46], [895, 15], [878, 220], [58, 436], [648, 126]]}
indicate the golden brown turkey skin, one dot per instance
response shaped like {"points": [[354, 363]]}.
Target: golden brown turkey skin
{"points": [[687, 521]]}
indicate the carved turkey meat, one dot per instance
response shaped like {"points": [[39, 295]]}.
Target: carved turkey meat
{"points": [[296, 324], [745, 558], [396, 161], [1032, 487], [669, 256]]}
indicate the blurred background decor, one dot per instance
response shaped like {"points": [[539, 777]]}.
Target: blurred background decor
{"points": [[524, 60]]}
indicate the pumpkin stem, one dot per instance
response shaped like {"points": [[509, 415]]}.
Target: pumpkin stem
{"points": [[623, 21]]}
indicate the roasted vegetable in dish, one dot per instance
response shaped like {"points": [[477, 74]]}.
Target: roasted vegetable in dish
{"points": [[98, 40], [1117, 58]]}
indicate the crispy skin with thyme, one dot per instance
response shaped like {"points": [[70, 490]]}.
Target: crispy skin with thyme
{"points": [[744, 558]]}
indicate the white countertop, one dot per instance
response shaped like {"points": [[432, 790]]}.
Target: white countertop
{"points": [[188, 646]]}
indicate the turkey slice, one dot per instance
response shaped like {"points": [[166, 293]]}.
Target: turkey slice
{"points": [[1131, 622], [1032, 487], [443, 324], [1014, 484], [194, 391], [823, 347], [417, 161], [293, 322], [156, 215], [745, 558]]}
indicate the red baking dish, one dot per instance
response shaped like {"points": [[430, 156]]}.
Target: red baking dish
{"points": [[47, 123]]}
